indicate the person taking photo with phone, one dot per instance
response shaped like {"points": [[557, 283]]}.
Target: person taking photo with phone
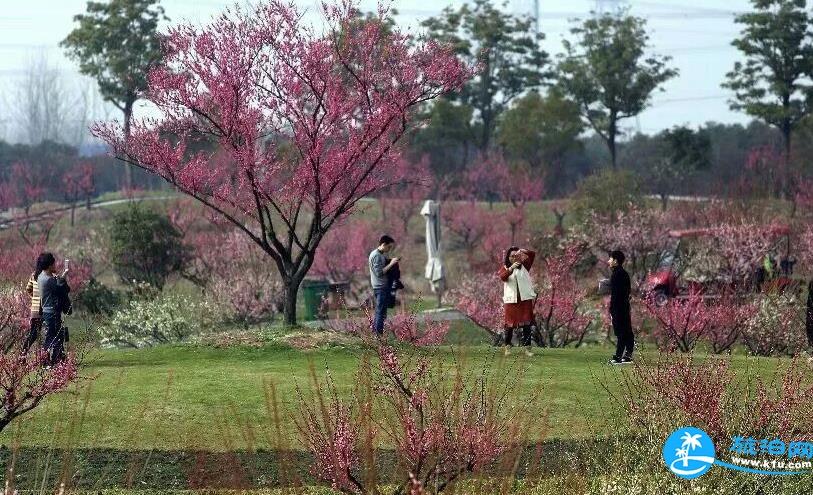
{"points": [[55, 302]]}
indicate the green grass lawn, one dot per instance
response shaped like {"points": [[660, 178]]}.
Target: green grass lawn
{"points": [[198, 397]]}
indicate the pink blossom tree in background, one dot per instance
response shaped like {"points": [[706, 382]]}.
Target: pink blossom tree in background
{"points": [[767, 173], [521, 188], [342, 255], [28, 184], [641, 234], [562, 314], [682, 322], [491, 178], [78, 185], [468, 224], [303, 124], [481, 301], [241, 281], [401, 202], [742, 246], [482, 234], [731, 316]]}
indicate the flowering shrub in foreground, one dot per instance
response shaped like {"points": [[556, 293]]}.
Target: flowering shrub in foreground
{"points": [[675, 390], [447, 426], [24, 380]]}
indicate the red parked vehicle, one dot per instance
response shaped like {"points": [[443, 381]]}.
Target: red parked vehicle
{"points": [[672, 277]]}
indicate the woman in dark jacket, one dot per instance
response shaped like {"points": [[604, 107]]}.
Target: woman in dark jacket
{"points": [[55, 302]]}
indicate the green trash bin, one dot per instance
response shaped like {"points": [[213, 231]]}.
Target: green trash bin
{"points": [[313, 292]]}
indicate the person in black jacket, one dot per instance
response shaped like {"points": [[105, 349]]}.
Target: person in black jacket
{"points": [[55, 302], [620, 309]]}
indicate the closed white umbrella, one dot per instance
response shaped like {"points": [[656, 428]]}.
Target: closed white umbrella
{"points": [[434, 264]]}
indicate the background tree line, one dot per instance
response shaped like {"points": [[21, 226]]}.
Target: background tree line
{"points": [[561, 118]]}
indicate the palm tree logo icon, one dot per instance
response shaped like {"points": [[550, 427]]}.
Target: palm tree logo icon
{"points": [[689, 452], [690, 442]]}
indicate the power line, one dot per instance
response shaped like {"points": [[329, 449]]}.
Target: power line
{"points": [[693, 98]]}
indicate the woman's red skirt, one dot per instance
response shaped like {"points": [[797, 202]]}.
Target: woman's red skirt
{"points": [[519, 314]]}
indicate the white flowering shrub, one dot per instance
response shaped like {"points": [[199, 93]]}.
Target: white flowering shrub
{"points": [[778, 327], [163, 320]]}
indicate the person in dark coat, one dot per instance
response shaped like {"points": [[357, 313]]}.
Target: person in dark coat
{"points": [[620, 309], [55, 302]]}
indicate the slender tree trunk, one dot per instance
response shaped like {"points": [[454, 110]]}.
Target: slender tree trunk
{"points": [[664, 201], [786, 192], [613, 130], [128, 115], [73, 213]]}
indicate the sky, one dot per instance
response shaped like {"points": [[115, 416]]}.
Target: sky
{"points": [[697, 35]]}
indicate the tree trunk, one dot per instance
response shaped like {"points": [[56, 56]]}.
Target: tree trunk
{"points": [[611, 141], [786, 192], [289, 308], [128, 169], [73, 212], [664, 201]]}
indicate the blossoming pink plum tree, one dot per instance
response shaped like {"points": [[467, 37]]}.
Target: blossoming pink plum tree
{"points": [[281, 129]]}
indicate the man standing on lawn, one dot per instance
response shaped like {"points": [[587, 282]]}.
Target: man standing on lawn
{"points": [[620, 309], [378, 279]]}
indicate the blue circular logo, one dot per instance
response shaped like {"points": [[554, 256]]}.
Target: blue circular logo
{"points": [[688, 452]]}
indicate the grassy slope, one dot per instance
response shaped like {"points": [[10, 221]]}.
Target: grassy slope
{"points": [[194, 397]]}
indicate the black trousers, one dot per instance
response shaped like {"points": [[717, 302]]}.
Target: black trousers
{"points": [[625, 339], [526, 332], [33, 333], [54, 343]]}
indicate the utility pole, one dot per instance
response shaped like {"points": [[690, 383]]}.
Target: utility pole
{"points": [[536, 16]]}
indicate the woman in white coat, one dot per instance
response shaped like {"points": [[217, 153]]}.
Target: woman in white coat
{"points": [[518, 295]]}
